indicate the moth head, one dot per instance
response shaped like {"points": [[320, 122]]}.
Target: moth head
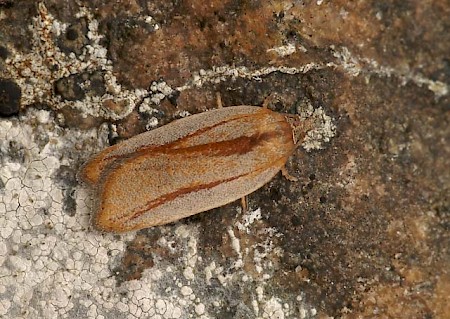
{"points": [[300, 127]]}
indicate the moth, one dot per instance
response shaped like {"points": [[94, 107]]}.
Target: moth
{"points": [[190, 165]]}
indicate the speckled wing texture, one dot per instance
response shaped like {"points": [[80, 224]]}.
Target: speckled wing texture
{"points": [[187, 166]]}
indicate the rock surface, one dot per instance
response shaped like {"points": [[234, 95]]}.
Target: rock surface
{"points": [[363, 233]]}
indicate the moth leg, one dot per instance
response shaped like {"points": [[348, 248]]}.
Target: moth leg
{"points": [[244, 204], [268, 99], [219, 100], [288, 176]]}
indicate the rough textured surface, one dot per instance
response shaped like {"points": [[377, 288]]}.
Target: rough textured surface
{"points": [[363, 233]]}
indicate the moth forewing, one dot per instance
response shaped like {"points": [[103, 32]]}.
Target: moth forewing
{"points": [[188, 166]]}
